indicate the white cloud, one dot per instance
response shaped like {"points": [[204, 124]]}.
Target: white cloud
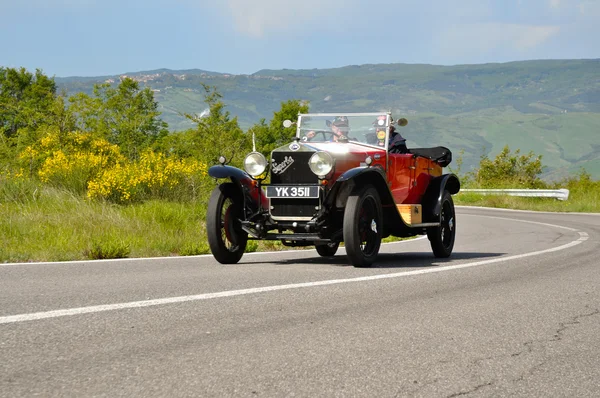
{"points": [[260, 18], [555, 4], [256, 18], [481, 39], [528, 37]]}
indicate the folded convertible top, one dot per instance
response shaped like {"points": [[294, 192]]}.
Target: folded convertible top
{"points": [[439, 154]]}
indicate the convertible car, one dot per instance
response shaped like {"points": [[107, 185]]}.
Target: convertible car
{"points": [[340, 179]]}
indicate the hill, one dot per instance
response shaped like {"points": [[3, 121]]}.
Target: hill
{"points": [[550, 106]]}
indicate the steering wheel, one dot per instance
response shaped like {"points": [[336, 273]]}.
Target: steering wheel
{"points": [[329, 136]]}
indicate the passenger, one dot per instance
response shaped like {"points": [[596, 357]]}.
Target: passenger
{"points": [[397, 143]]}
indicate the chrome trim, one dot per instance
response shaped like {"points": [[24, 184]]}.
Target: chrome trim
{"points": [[290, 218]]}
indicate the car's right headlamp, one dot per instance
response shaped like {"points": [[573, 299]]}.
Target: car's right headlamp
{"points": [[255, 164], [321, 163]]}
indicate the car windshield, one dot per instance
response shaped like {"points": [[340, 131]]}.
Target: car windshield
{"points": [[367, 128]]}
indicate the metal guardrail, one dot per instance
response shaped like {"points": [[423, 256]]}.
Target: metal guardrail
{"points": [[560, 194]]}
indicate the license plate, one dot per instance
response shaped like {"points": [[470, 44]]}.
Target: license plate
{"points": [[292, 192]]}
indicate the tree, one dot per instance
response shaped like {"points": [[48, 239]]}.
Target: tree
{"points": [[28, 103], [25, 99], [216, 133], [510, 170], [126, 115], [273, 135]]}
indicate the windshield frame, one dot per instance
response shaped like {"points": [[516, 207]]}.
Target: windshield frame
{"points": [[300, 129]]}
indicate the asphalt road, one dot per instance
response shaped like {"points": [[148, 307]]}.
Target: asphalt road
{"points": [[514, 312]]}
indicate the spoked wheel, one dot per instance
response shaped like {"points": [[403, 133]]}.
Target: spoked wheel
{"points": [[327, 249], [226, 238], [442, 237], [363, 226]]}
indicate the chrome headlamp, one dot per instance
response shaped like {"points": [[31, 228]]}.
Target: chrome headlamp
{"points": [[321, 163], [255, 164]]}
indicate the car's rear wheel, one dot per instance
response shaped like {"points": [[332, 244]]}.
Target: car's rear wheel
{"points": [[442, 237], [226, 239], [327, 249], [362, 227]]}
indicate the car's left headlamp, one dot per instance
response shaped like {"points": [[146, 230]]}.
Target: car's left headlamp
{"points": [[321, 163], [255, 164]]}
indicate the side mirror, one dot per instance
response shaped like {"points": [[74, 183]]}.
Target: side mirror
{"points": [[287, 123], [402, 122]]}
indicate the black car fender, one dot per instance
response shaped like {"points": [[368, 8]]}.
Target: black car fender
{"points": [[242, 181], [223, 171], [359, 177], [432, 199]]}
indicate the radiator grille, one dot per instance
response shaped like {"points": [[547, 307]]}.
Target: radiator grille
{"points": [[296, 173], [304, 209]]}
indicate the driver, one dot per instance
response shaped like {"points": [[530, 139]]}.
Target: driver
{"points": [[340, 128]]}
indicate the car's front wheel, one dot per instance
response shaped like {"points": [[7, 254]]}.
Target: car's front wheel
{"points": [[327, 249], [362, 227], [226, 238], [442, 237]]}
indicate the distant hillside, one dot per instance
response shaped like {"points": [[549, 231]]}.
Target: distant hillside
{"points": [[551, 107]]}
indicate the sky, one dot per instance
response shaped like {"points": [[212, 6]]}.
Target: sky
{"points": [[111, 37]]}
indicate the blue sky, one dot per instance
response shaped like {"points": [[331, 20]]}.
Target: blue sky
{"points": [[106, 37]]}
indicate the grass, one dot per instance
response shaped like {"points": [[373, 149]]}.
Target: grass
{"points": [[54, 225], [41, 223]]}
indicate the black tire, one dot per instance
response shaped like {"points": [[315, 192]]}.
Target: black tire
{"points": [[226, 238], [442, 237], [362, 227], [327, 249]]}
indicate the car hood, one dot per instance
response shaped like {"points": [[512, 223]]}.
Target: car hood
{"points": [[347, 155]]}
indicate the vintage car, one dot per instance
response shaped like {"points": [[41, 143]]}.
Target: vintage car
{"points": [[337, 181]]}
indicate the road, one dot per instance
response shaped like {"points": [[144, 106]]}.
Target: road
{"points": [[514, 312]]}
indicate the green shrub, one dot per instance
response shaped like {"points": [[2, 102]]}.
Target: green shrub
{"points": [[509, 170]]}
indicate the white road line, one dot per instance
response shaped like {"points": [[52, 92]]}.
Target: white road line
{"points": [[231, 293]]}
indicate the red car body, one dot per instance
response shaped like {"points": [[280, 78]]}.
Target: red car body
{"points": [[324, 192]]}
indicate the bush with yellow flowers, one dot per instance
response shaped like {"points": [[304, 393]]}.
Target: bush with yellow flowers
{"points": [[154, 175], [89, 165], [70, 160]]}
